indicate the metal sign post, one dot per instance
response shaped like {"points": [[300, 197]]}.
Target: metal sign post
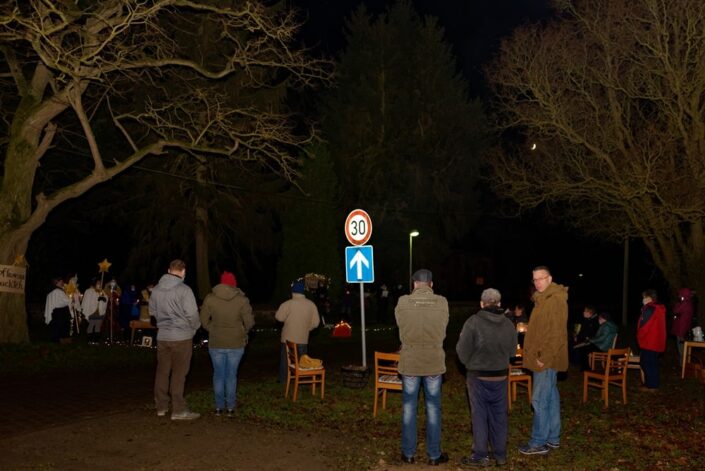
{"points": [[359, 263]]}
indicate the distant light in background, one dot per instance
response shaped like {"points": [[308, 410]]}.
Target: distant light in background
{"points": [[580, 275]]}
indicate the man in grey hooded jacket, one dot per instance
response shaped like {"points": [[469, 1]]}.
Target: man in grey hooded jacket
{"points": [[487, 342], [173, 305]]}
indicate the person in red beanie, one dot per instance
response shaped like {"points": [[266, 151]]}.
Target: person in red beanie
{"points": [[227, 316]]}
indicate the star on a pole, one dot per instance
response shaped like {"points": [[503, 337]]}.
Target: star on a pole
{"points": [[20, 261], [104, 265]]}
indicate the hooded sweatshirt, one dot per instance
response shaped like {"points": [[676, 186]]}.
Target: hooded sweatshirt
{"points": [[174, 307], [487, 342], [227, 316], [547, 334]]}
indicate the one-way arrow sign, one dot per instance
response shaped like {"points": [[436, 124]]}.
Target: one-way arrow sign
{"points": [[359, 264]]}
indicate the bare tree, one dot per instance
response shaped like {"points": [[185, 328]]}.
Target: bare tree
{"points": [[64, 62], [610, 98]]}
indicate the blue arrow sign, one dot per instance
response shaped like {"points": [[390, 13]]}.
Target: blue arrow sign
{"points": [[359, 264]]}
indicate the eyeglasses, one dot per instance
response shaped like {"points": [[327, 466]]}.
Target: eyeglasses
{"points": [[540, 279]]}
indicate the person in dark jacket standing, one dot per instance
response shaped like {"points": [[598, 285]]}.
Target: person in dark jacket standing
{"points": [[682, 318], [422, 318], [486, 344], [651, 335], [227, 316], [174, 307]]}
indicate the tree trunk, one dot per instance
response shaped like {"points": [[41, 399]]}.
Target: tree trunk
{"points": [[203, 282], [13, 311]]}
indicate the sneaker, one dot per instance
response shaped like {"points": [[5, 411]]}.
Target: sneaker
{"points": [[440, 460], [501, 461], [553, 446], [407, 459], [533, 450], [218, 412], [231, 413], [477, 462], [161, 412], [186, 415]]}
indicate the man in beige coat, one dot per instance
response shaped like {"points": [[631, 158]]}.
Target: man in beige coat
{"points": [[546, 353], [422, 318], [300, 316]]}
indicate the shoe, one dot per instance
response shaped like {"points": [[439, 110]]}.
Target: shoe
{"points": [[478, 462], [407, 459], [231, 413], [436, 461], [536, 450], [161, 412], [553, 446], [647, 389], [186, 415], [218, 412], [501, 461]]}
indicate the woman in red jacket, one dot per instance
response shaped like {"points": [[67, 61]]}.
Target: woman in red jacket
{"points": [[651, 335]]}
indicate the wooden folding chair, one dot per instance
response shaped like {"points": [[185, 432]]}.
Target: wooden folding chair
{"points": [[594, 357], [386, 377], [615, 374], [300, 375]]}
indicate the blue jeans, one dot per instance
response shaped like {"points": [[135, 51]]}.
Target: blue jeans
{"points": [[410, 397], [547, 409], [490, 423], [284, 362], [226, 362], [649, 365]]}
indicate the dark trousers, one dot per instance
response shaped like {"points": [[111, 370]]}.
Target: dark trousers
{"points": [[173, 363], [649, 365], [60, 324], [490, 423], [583, 354], [284, 362]]}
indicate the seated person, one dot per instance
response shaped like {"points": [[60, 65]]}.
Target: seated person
{"points": [[587, 329], [601, 342]]}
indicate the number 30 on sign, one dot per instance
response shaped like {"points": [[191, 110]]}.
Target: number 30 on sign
{"points": [[358, 227]]}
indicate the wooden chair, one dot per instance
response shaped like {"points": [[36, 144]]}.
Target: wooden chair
{"points": [[594, 357], [615, 374], [299, 375], [517, 377], [634, 363], [386, 377]]}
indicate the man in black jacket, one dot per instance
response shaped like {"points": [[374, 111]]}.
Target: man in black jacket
{"points": [[486, 344]]}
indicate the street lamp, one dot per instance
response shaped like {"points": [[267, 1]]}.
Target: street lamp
{"points": [[412, 234]]}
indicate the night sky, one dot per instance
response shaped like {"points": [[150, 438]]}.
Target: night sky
{"points": [[593, 269]]}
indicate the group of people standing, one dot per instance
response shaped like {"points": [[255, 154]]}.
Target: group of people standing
{"points": [[68, 312], [487, 343]]}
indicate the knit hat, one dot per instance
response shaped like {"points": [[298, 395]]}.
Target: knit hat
{"points": [[228, 278], [297, 286]]}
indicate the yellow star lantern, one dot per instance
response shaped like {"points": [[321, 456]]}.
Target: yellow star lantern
{"points": [[20, 261], [104, 266]]}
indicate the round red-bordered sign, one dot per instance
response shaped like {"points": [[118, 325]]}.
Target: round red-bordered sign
{"points": [[358, 227]]}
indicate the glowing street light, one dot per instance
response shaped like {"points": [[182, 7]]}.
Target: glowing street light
{"points": [[412, 234]]}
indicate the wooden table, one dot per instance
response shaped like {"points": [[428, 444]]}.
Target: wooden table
{"points": [[137, 325], [687, 347]]}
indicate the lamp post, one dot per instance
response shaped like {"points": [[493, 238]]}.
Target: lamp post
{"points": [[412, 234]]}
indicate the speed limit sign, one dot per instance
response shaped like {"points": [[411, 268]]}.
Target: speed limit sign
{"points": [[358, 227]]}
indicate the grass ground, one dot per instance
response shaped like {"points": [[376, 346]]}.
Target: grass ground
{"points": [[653, 431]]}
